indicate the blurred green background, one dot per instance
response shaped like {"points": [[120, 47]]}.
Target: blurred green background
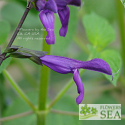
{"points": [[98, 90]]}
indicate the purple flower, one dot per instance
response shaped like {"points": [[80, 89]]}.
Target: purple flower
{"points": [[66, 65], [46, 14], [62, 65], [64, 13], [47, 8]]}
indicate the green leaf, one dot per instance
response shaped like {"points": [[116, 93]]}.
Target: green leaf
{"points": [[99, 32], [4, 30], [4, 64], [114, 60], [123, 2], [62, 43]]}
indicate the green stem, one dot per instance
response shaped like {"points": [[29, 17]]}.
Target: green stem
{"points": [[44, 79], [43, 88], [63, 91], [120, 14], [18, 89], [41, 118]]}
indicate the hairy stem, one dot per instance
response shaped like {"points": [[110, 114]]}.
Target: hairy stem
{"points": [[18, 89]]}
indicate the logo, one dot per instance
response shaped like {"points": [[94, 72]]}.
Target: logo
{"points": [[100, 112]]}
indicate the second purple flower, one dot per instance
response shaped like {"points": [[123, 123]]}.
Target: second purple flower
{"points": [[46, 14]]}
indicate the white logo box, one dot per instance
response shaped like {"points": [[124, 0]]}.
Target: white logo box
{"points": [[99, 111]]}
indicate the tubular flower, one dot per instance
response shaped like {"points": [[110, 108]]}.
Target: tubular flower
{"points": [[67, 65], [46, 14], [64, 13], [47, 8], [62, 65]]}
